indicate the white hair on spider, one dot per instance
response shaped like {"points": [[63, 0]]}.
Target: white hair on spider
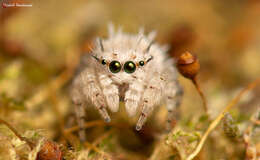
{"points": [[126, 67]]}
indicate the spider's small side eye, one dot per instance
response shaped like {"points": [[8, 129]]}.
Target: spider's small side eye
{"points": [[141, 63], [115, 66], [103, 62]]}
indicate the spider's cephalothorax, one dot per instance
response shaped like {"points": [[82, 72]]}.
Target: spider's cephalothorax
{"points": [[126, 67], [115, 66]]}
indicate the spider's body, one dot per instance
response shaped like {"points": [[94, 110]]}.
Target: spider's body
{"points": [[130, 68]]}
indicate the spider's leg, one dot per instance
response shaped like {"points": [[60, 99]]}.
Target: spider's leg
{"points": [[79, 109], [133, 97], [174, 94], [151, 98], [110, 92], [93, 92]]}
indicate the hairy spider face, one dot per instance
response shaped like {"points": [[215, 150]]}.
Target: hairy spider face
{"points": [[128, 66]]}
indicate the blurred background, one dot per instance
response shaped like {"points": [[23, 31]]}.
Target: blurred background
{"points": [[40, 47]]}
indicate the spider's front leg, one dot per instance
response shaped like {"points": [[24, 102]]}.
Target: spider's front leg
{"points": [[93, 92], [110, 92], [151, 98]]}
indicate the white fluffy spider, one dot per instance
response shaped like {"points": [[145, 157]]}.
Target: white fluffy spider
{"points": [[130, 68]]}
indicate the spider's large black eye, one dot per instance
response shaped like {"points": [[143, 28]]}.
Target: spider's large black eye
{"points": [[115, 66], [129, 67]]}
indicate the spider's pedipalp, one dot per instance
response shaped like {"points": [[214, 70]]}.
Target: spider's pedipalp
{"points": [[110, 92], [133, 96]]}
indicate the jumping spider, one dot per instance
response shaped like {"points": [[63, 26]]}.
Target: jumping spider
{"points": [[128, 68]]}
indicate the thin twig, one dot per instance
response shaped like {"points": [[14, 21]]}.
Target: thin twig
{"points": [[194, 81], [30, 144], [98, 140], [87, 125], [96, 149], [101, 138], [95, 123], [213, 124]]}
